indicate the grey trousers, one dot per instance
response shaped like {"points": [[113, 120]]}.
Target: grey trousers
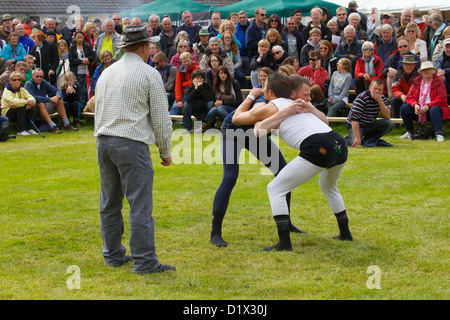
{"points": [[375, 130], [126, 170]]}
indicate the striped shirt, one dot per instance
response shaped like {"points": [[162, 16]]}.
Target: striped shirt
{"points": [[131, 103], [365, 110]]}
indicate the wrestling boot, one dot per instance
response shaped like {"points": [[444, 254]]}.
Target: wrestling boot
{"points": [[216, 230], [344, 231], [293, 228], [283, 227]]}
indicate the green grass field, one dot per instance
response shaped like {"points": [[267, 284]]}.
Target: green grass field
{"points": [[397, 200]]}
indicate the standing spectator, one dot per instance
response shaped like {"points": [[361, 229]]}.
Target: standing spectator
{"points": [[426, 98], [81, 59], [405, 18], [130, 171], [154, 21], [182, 81], [200, 47], [437, 24], [46, 56], [241, 29], [190, 27], [89, 33], [168, 35], [255, 32], [350, 47], [294, 39], [6, 27], [64, 64], [108, 40], [316, 22], [199, 100], [421, 22], [316, 75], [354, 20], [402, 82], [28, 24], [275, 23], [168, 74], [341, 15], [353, 7], [228, 25], [216, 21], [340, 83], [368, 67], [416, 45], [298, 16], [362, 122], [373, 21], [154, 49], [18, 105], [13, 51], [48, 101], [117, 20], [26, 41]]}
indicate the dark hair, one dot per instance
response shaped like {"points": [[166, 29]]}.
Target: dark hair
{"points": [[297, 82], [280, 84], [377, 81], [228, 84], [198, 73], [218, 58]]}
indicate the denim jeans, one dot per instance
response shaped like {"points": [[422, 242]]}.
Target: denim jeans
{"points": [[375, 130], [126, 170], [335, 108], [221, 112], [409, 115], [175, 110]]}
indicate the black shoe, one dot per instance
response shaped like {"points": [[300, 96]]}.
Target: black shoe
{"points": [[294, 229], [342, 237], [216, 239], [279, 247], [161, 268]]}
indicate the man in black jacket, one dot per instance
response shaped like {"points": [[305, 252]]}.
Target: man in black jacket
{"points": [[316, 22], [168, 73]]}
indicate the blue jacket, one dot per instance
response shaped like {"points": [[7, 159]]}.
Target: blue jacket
{"points": [[27, 43], [240, 34], [252, 37], [8, 52], [44, 93]]}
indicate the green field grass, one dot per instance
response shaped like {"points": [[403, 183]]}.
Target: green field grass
{"points": [[397, 201]]}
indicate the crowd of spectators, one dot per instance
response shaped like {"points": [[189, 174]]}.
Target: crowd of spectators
{"points": [[205, 69]]}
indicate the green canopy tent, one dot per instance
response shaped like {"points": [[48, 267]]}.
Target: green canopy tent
{"points": [[173, 8], [283, 8]]}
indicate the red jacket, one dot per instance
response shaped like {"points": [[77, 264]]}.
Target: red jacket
{"points": [[318, 76], [183, 80], [360, 69], [438, 95]]}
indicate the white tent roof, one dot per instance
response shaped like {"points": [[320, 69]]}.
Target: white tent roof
{"points": [[396, 5]]}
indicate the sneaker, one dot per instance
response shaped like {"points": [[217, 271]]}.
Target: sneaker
{"points": [[70, 128], [407, 135], [56, 130], [23, 133], [31, 131], [439, 138]]}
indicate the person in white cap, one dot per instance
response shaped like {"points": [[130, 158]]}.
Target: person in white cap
{"points": [[426, 100]]}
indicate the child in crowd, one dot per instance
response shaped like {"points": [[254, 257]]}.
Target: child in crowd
{"points": [[339, 85], [71, 98]]}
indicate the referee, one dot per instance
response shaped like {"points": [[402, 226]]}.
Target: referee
{"points": [[130, 115]]}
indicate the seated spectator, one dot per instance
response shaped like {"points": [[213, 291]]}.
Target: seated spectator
{"points": [[46, 56], [13, 51], [182, 81], [279, 55], [287, 70], [214, 47], [316, 75], [232, 49], [440, 46], [182, 46], [71, 98], [264, 58], [362, 123], [19, 66], [316, 15], [335, 34], [291, 61], [443, 65], [263, 75], [312, 43], [199, 100], [350, 47], [329, 61], [228, 97], [354, 20], [386, 44], [394, 62], [274, 22], [81, 58], [416, 45], [18, 105], [200, 47], [90, 33], [168, 74], [340, 83], [229, 26], [427, 99], [275, 39], [214, 63], [107, 58], [48, 101], [29, 62], [437, 24], [182, 35], [402, 82], [368, 67]]}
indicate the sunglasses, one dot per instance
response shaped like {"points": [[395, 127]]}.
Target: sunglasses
{"points": [[277, 52], [16, 80], [312, 59], [401, 47], [38, 76], [263, 14], [367, 49]]}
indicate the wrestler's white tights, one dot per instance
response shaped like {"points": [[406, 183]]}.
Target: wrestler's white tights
{"points": [[297, 172]]}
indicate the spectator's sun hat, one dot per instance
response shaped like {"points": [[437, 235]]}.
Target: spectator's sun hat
{"points": [[7, 16], [427, 65], [135, 34], [409, 58], [203, 32]]}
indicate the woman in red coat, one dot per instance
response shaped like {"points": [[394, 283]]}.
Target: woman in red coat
{"points": [[367, 68], [426, 99]]}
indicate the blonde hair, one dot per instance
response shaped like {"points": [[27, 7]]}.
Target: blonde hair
{"points": [[63, 42], [185, 55], [68, 75], [263, 43], [227, 22], [89, 25], [272, 31], [15, 74], [287, 69]]}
